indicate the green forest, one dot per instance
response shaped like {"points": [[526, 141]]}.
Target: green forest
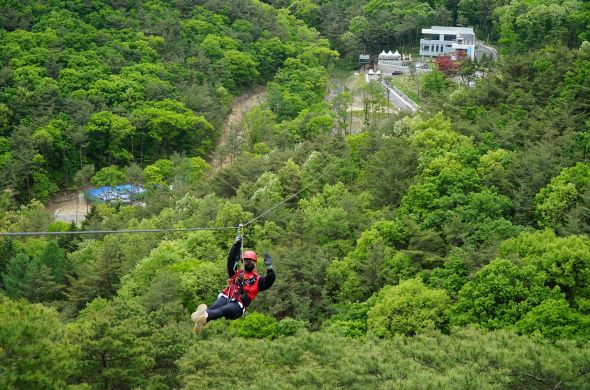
{"points": [[449, 248]]}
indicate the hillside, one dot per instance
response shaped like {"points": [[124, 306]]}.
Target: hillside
{"points": [[445, 249]]}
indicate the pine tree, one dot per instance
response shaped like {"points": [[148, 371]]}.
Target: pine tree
{"points": [[7, 252], [116, 352], [39, 284], [69, 242], [54, 258], [34, 354], [95, 274], [14, 277]]}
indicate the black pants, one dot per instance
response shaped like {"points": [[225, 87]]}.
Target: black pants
{"points": [[223, 307]]}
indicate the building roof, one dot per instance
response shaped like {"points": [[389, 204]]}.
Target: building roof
{"points": [[389, 55], [122, 192], [448, 30]]}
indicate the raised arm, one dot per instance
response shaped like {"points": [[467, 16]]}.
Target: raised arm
{"points": [[233, 257], [266, 281]]}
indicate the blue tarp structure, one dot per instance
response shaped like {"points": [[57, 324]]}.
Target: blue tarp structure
{"points": [[122, 193]]}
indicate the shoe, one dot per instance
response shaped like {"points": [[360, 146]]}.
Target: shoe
{"points": [[199, 324], [200, 310]]}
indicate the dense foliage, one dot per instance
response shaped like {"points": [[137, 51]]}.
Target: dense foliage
{"points": [[371, 25], [448, 249], [105, 84]]}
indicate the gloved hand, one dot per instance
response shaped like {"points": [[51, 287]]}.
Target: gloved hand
{"points": [[267, 261], [238, 238]]}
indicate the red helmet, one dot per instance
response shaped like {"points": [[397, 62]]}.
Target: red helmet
{"points": [[250, 255]]}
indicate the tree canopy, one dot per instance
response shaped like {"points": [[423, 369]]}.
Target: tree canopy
{"points": [[447, 248]]}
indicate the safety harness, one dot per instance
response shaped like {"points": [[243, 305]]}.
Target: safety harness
{"points": [[242, 286]]}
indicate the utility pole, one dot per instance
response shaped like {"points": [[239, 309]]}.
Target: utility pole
{"points": [[350, 126], [387, 99]]}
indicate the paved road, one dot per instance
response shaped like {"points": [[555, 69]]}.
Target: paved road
{"points": [[396, 97], [400, 101]]}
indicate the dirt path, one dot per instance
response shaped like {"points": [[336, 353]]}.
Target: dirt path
{"points": [[69, 208], [73, 207], [242, 104]]}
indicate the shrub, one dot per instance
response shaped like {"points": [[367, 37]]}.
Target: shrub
{"points": [[408, 309], [257, 326]]}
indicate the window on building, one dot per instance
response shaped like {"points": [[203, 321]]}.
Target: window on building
{"points": [[426, 48], [450, 37]]}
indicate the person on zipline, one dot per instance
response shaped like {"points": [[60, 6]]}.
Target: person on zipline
{"points": [[243, 286]]}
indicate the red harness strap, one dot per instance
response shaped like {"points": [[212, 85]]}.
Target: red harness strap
{"points": [[242, 287]]}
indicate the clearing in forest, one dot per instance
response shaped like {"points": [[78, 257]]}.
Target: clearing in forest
{"points": [[241, 105], [368, 106]]}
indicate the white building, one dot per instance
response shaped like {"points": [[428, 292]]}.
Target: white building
{"points": [[446, 40]]}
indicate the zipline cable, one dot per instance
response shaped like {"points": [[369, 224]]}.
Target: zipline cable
{"points": [[196, 8], [326, 170], [169, 230]]}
